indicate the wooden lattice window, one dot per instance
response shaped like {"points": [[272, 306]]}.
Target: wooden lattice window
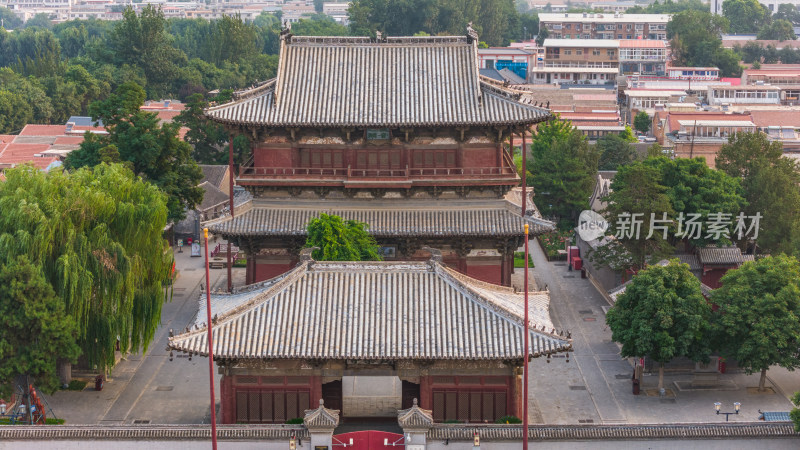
{"points": [[469, 405], [270, 405]]}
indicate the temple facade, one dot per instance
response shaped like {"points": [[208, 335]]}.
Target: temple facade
{"points": [[400, 133], [451, 341]]}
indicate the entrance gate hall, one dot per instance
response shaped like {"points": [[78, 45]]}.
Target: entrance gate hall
{"points": [[368, 338]]}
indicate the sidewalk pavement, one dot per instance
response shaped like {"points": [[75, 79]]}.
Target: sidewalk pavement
{"points": [[596, 387], [150, 388]]}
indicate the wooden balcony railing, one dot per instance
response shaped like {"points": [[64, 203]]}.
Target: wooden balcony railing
{"points": [[348, 172]]}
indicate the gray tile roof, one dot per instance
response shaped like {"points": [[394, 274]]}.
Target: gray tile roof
{"points": [[492, 433], [387, 218], [212, 196], [692, 260], [379, 311], [412, 81], [213, 173], [720, 255]]}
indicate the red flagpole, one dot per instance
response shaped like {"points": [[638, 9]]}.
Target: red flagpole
{"points": [[210, 350], [230, 186], [527, 336]]}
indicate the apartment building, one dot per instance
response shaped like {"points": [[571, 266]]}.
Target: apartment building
{"points": [[578, 61], [646, 57], [720, 95], [605, 25], [693, 73]]}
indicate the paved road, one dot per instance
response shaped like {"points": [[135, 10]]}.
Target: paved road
{"points": [[595, 386]]}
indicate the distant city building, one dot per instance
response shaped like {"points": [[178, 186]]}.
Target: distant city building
{"points": [[643, 56], [605, 25], [578, 61]]}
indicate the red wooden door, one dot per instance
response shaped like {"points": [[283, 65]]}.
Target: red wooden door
{"points": [[368, 440]]}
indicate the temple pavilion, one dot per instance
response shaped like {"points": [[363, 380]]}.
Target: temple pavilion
{"points": [[453, 342], [401, 133]]}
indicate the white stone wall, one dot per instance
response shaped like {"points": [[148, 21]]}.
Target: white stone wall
{"points": [[370, 396]]}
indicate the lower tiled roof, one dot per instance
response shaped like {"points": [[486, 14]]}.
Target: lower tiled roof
{"points": [[720, 255], [388, 219], [379, 311]]}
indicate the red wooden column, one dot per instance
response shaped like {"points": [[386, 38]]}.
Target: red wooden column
{"points": [[515, 403], [250, 272], [316, 391], [425, 392], [227, 400]]}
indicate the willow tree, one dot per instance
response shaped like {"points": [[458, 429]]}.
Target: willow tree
{"points": [[97, 236]]}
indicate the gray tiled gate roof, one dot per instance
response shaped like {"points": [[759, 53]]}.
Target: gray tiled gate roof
{"points": [[378, 311]]}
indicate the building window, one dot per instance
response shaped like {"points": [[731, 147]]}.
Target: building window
{"points": [[434, 158], [578, 52], [596, 52], [321, 158], [378, 159], [469, 405], [610, 53], [567, 52], [270, 406]]}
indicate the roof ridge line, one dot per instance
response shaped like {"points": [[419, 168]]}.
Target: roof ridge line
{"points": [[291, 276], [448, 275]]}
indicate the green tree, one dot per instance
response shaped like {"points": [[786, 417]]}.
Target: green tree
{"points": [[32, 93], [779, 30], [662, 315], [543, 34], [795, 412], [341, 240], [788, 12], [319, 25], [770, 185], [36, 331], [562, 174], [153, 150], [694, 188], [642, 122], [636, 197], [615, 151], [695, 41], [14, 112], [208, 139], [142, 41], [655, 150], [758, 320], [40, 20], [10, 20], [745, 16], [97, 236]]}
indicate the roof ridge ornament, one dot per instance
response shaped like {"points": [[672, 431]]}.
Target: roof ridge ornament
{"points": [[415, 418], [436, 254], [307, 254], [472, 35], [286, 31], [321, 418]]}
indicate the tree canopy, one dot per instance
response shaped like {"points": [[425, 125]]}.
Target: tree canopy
{"points": [[151, 149], [770, 184], [642, 122], [758, 320], [35, 330], [662, 315], [615, 151], [96, 234], [562, 169], [496, 21], [695, 41], [745, 16], [637, 196], [341, 240]]}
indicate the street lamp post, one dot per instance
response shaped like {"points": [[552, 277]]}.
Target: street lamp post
{"points": [[736, 406]]}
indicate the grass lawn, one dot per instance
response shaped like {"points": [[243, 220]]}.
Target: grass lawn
{"points": [[519, 260]]}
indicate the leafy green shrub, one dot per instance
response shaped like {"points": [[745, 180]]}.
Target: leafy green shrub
{"points": [[295, 421], [519, 260], [553, 242], [508, 420], [76, 385]]}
